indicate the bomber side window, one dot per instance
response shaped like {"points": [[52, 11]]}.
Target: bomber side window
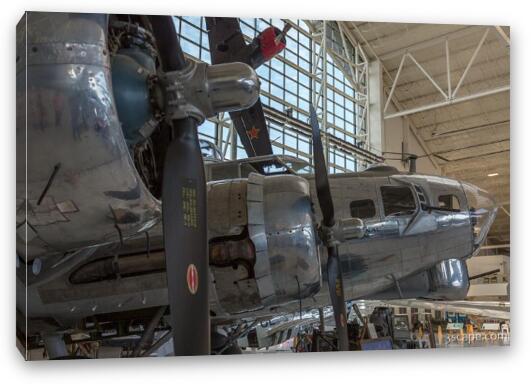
{"points": [[398, 200], [362, 209], [450, 202]]}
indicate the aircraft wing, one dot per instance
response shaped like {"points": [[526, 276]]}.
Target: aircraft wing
{"points": [[493, 309]]}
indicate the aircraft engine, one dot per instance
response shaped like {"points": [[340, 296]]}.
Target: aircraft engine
{"points": [[141, 92], [92, 148], [262, 243], [262, 247], [448, 280]]}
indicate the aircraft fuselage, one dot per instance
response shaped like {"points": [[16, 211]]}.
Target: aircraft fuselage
{"points": [[418, 232]]}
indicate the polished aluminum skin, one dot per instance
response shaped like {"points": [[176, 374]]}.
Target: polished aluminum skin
{"points": [[82, 188], [278, 261], [84, 196], [201, 90], [427, 241], [420, 254], [72, 140]]}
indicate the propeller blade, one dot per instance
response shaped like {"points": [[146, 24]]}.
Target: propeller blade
{"points": [[227, 44], [335, 286], [283, 34], [335, 278], [170, 52], [184, 216], [185, 241], [321, 175]]}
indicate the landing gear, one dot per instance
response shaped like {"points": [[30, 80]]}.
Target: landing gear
{"points": [[55, 346], [223, 345]]}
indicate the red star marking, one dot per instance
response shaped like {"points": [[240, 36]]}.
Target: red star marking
{"points": [[253, 133]]}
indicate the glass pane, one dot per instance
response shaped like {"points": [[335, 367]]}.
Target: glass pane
{"points": [[398, 201], [482, 208], [286, 78], [362, 209]]}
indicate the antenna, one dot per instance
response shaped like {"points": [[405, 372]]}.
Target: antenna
{"points": [[412, 159]]}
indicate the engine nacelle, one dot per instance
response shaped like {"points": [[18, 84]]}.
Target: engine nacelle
{"points": [[448, 280], [262, 244]]}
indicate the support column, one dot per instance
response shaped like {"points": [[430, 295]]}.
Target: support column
{"points": [[376, 102]]}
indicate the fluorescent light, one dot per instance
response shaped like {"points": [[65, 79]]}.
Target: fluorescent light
{"points": [[493, 174]]}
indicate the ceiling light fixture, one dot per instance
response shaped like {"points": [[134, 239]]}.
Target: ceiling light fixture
{"points": [[493, 174]]}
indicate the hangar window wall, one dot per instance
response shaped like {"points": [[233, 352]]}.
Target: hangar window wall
{"points": [[286, 93]]}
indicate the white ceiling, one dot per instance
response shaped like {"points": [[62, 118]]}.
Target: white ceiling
{"points": [[471, 137]]}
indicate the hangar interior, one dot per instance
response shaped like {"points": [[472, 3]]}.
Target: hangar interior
{"points": [[440, 92], [385, 91], [412, 99]]}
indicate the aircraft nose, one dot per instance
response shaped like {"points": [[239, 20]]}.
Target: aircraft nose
{"points": [[482, 209]]}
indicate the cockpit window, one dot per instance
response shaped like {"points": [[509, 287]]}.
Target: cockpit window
{"points": [[362, 209], [482, 208], [398, 200], [449, 202]]}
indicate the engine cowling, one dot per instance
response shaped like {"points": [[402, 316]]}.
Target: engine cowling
{"points": [[262, 243]]}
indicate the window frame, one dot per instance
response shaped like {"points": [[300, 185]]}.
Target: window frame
{"points": [[394, 214], [452, 195], [375, 212], [292, 67]]}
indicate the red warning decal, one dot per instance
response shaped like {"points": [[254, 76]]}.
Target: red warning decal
{"points": [[192, 279]]}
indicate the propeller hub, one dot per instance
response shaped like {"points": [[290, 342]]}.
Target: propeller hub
{"points": [[342, 230], [201, 90]]}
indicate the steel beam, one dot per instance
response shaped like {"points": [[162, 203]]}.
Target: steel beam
{"points": [[471, 146], [395, 81], [157, 344], [418, 80], [430, 42], [496, 246], [480, 155], [473, 87], [503, 35], [471, 61], [412, 127], [456, 132], [428, 76], [470, 169], [448, 70], [446, 103], [149, 330], [475, 119]]}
